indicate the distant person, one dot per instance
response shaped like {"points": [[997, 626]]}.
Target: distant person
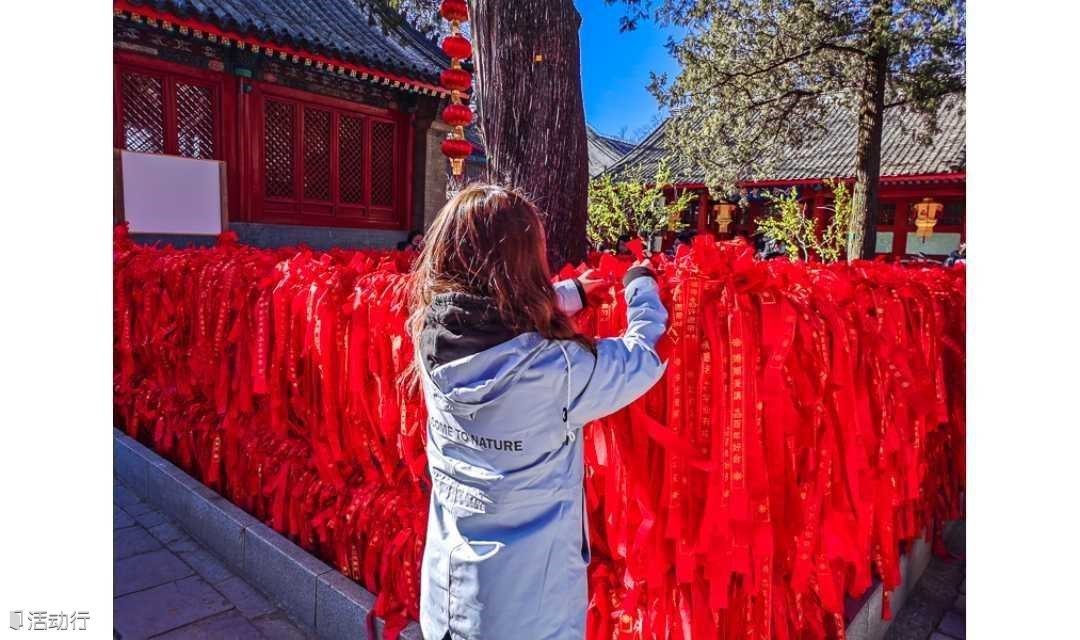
{"points": [[621, 248], [758, 243], [683, 238], [509, 384], [413, 242], [957, 256], [768, 248]]}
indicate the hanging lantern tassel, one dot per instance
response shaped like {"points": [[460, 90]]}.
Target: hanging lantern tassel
{"points": [[457, 81]]}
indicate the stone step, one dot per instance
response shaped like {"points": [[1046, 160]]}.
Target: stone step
{"points": [[311, 591]]}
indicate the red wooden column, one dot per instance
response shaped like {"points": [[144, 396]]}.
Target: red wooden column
{"points": [[703, 211], [900, 226], [244, 165], [749, 227]]}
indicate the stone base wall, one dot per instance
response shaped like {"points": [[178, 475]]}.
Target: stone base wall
{"points": [[287, 235]]}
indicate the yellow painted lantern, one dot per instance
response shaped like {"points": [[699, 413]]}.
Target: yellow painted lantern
{"points": [[926, 216], [724, 214]]}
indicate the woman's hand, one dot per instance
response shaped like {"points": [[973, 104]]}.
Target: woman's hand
{"points": [[639, 269], [591, 281]]}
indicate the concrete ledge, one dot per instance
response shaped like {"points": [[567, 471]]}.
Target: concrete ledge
{"points": [[310, 590], [865, 622], [336, 594], [328, 602], [271, 562], [130, 462]]}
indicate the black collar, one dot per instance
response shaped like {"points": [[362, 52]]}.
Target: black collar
{"points": [[457, 325]]}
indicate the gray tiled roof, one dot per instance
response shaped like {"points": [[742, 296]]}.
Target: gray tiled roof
{"points": [[604, 151], [337, 28], [473, 135], [832, 155]]}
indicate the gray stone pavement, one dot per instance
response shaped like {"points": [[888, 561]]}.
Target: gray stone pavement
{"points": [[167, 585], [935, 610]]}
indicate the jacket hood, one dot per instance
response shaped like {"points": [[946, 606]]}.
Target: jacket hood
{"points": [[468, 355]]}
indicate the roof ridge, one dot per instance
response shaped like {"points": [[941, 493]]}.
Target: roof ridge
{"points": [[368, 32], [832, 154], [608, 136]]}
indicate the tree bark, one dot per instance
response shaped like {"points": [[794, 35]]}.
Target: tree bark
{"points": [[862, 239], [528, 94]]}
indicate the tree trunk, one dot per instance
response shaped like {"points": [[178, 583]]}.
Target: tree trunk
{"points": [[862, 239], [528, 94]]}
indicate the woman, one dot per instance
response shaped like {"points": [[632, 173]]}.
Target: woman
{"points": [[412, 242], [508, 385]]}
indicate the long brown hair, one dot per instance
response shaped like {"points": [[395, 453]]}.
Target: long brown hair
{"points": [[488, 241]]}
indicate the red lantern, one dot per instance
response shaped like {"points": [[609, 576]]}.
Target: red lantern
{"points": [[456, 79], [457, 47], [454, 10], [457, 115], [455, 148]]}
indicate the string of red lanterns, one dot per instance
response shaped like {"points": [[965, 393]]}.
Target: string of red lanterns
{"points": [[458, 81]]}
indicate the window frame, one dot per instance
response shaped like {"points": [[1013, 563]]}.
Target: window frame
{"points": [[169, 74], [300, 210], [238, 142]]}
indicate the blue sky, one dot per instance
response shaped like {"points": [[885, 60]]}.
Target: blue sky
{"points": [[615, 68]]}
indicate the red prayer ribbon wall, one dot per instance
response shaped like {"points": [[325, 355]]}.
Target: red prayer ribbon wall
{"points": [[810, 425]]}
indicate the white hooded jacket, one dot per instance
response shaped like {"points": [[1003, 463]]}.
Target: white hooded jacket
{"points": [[507, 541]]}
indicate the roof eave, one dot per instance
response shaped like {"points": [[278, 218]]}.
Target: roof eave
{"points": [[350, 64]]}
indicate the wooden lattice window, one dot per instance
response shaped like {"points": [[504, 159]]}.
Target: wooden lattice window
{"points": [[382, 164], [326, 164], [886, 216], [162, 112], [351, 159], [142, 117], [316, 154], [953, 215], [278, 149], [194, 120]]}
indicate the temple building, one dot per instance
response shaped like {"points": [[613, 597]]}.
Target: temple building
{"points": [[912, 172], [324, 113]]}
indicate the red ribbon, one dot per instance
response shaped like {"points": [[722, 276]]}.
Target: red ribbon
{"points": [[811, 423]]}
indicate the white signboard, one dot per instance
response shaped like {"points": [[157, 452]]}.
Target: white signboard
{"points": [[170, 194], [939, 244], [883, 240]]}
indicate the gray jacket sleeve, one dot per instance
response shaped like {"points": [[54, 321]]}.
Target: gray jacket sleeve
{"points": [[569, 297], [627, 366]]}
